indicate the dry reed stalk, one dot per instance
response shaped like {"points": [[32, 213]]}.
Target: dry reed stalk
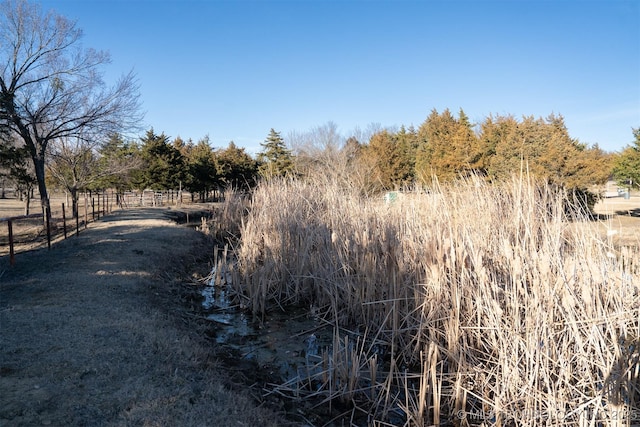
{"points": [[527, 311]]}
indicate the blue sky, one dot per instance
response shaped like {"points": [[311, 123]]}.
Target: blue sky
{"points": [[233, 70]]}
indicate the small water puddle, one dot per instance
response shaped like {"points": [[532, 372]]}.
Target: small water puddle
{"points": [[288, 343]]}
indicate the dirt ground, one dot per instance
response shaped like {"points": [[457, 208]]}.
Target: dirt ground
{"points": [[622, 217], [97, 331]]}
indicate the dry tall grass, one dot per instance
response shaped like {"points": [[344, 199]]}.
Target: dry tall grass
{"points": [[465, 304]]}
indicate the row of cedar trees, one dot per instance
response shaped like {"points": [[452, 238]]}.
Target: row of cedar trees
{"points": [[160, 164], [444, 146], [449, 147]]}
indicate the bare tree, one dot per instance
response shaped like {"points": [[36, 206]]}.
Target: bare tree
{"points": [[318, 150], [364, 135], [52, 88], [323, 154], [71, 164], [77, 163]]}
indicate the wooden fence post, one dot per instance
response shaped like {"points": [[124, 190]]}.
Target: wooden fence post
{"points": [[86, 209], [12, 257], [64, 222], [10, 220], [47, 214]]}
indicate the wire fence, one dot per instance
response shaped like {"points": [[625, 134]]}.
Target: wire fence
{"points": [[19, 233]]}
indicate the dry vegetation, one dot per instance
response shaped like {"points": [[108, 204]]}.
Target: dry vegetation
{"points": [[464, 304]]}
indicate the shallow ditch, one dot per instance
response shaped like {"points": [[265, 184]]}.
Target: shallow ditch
{"points": [[283, 356], [287, 342], [286, 356], [293, 359]]}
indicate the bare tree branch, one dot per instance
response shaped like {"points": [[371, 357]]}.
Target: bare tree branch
{"points": [[51, 88]]}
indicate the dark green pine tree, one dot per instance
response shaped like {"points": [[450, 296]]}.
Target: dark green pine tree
{"points": [[202, 176], [275, 159], [236, 168], [16, 167], [163, 164]]}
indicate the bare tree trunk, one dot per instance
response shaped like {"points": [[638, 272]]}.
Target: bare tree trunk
{"points": [[74, 202], [38, 163], [27, 201]]}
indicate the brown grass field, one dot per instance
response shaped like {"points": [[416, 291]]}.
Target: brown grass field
{"points": [[30, 233], [623, 216]]}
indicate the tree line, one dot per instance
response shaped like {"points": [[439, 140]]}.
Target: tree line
{"points": [[152, 162], [62, 126], [444, 147], [449, 147]]}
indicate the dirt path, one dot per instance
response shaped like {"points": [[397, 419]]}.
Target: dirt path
{"points": [[93, 333]]}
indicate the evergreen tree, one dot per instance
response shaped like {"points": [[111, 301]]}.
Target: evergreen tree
{"points": [[202, 176], [499, 140], [182, 146], [407, 146], [448, 147], [626, 169], [236, 168], [163, 165], [466, 146], [118, 162], [543, 149], [392, 168], [16, 168], [424, 152], [275, 159], [591, 166]]}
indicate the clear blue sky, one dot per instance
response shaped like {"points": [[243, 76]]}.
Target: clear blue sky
{"points": [[233, 70]]}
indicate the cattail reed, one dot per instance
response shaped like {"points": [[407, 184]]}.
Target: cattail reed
{"points": [[487, 303]]}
